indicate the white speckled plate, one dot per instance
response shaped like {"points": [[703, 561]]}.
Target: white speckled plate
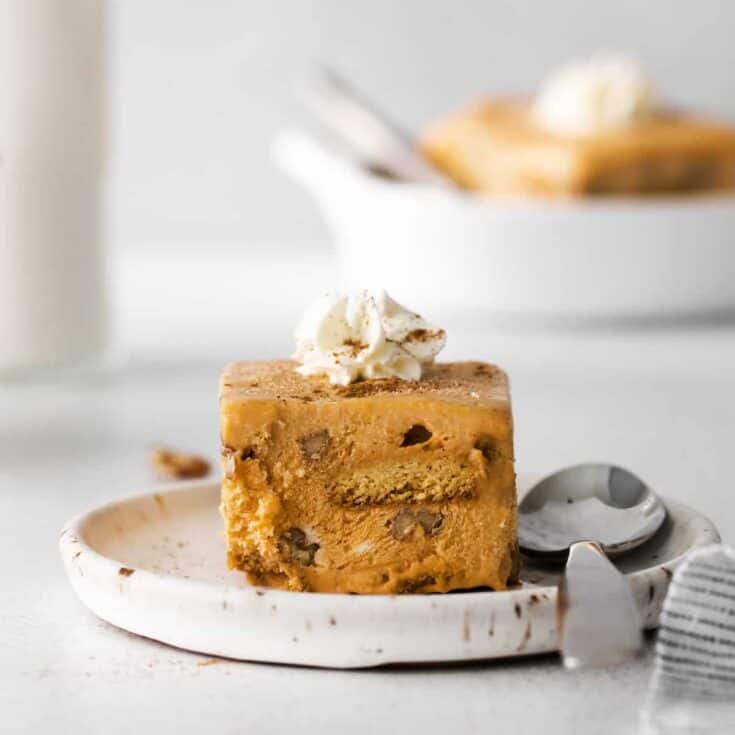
{"points": [[155, 565]]}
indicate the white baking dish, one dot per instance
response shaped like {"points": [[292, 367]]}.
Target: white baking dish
{"points": [[440, 248]]}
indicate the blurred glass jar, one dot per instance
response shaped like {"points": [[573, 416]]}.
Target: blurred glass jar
{"points": [[53, 306]]}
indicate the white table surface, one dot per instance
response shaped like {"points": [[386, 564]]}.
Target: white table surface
{"points": [[660, 402]]}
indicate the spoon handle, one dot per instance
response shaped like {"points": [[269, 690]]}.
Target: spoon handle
{"points": [[366, 130], [599, 623]]}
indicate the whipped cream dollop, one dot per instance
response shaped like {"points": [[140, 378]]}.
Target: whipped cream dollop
{"points": [[602, 94], [364, 334]]}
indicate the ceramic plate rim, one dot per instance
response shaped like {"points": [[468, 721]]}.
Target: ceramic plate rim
{"points": [[73, 544], [72, 533]]}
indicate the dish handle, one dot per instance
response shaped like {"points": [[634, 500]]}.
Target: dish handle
{"points": [[305, 160]]}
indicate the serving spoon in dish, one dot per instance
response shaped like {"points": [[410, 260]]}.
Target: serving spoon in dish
{"points": [[377, 141], [585, 514]]}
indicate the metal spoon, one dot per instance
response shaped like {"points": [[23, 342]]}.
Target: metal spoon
{"points": [[366, 130], [584, 514]]}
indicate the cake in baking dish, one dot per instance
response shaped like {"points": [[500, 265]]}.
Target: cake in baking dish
{"points": [[594, 129]]}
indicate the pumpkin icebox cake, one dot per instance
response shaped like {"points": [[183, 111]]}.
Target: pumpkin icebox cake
{"points": [[365, 467], [595, 128]]}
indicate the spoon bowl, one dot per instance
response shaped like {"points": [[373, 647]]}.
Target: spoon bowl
{"points": [[582, 515], [589, 502]]}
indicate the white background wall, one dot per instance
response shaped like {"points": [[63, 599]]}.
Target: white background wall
{"points": [[200, 86]]}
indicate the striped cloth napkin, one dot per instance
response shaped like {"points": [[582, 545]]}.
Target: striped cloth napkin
{"points": [[693, 685]]}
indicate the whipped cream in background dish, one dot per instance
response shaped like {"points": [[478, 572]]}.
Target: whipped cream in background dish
{"points": [[364, 334], [596, 96]]}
